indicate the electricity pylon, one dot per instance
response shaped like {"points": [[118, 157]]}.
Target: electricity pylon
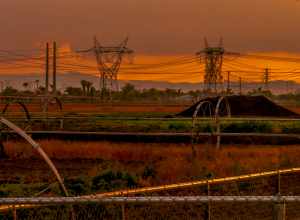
{"points": [[266, 79], [109, 60], [213, 58]]}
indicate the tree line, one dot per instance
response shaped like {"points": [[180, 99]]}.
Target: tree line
{"points": [[130, 93]]}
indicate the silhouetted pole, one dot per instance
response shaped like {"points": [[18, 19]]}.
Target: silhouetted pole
{"points": [[207, 213], [266, 79], [54, 68], [124, 212], [228, 81], [47, 70], [15, 217], [46, 79], [240, 82], [279, 211]]}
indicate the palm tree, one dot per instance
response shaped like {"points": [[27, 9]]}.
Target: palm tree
{"points": [[25, 85], [83, 85], [37, 84], [88, 87]]}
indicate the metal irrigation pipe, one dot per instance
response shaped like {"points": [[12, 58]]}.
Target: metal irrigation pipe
{"points": [[217, 117], [196, 183], [145, 199], [127, 192], [194, 120], [37, 147]]}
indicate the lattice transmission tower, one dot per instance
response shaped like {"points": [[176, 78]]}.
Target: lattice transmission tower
{"points": [[266, 77], [213, 59], [109, 60]]}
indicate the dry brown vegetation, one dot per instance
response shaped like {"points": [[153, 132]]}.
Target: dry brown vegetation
{"points": [[172, 162]]}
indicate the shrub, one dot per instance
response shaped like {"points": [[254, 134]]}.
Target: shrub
{"points": [[178, 126], [3, 193], [204, 128], [245, 186], [77, 186], [293, 128], [110, 180], [247, 127], [149, 171]]}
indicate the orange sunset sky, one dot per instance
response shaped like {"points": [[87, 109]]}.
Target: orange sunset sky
{"points": [[159, 31]]}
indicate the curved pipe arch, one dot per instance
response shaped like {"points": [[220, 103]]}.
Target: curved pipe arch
{"points": [[217, 110], [199, 107], [38, 148], [217, 117], [194, 120], [25, 109]]}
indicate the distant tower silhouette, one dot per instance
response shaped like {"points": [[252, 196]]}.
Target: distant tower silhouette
{"points": [[213, 58], [266, 79], [109, 60]]}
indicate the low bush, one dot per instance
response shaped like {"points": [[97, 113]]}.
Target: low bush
{"points": [[204, 128], [247, 127], [291, 129], [178, 126], [77, 186], [110, 180], [149, 172]]}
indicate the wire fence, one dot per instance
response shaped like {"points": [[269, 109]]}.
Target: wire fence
{"points": [[188, 207], [256, 196]]}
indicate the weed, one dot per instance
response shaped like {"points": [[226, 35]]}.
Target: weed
{"points": [[110, 180], [259, 127]]}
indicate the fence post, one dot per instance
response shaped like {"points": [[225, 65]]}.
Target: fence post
{"points": [[278, 182], [124, 212], [61, 124], [207, 211], [14, 213], [218, 131], [279, 212]]}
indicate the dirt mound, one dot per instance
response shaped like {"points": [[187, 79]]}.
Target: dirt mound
{"points": [[259, 106]]}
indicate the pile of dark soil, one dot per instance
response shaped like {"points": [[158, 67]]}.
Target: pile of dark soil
{"points": [[250, 106]]}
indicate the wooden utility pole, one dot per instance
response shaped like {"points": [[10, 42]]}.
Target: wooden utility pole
{"points": [[47, 70], [240, 82], [279, 211], [15, 217], [228, 82], [124, 212], [54, 68], [207, 215], [46, 79]]}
